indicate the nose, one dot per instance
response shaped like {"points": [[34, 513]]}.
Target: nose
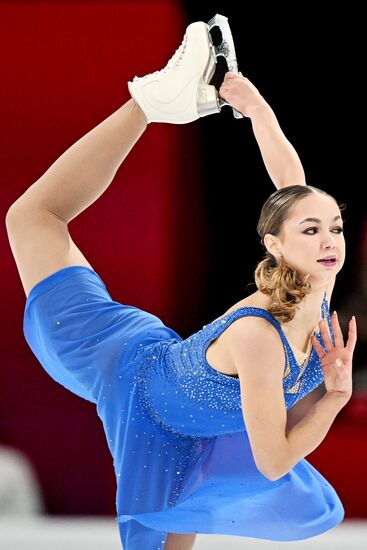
{"points": [[329, 242]]}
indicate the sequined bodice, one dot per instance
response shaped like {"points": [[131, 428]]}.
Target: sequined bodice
{"points": [[181, 390]]}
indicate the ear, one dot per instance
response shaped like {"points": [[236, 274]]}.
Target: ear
{"points": [[272, 245]]}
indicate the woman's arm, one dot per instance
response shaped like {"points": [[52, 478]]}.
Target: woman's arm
{"points": [[280, 158], [308, 433], [276, 445]]}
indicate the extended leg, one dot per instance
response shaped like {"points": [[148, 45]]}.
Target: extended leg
{"points": [[37, 221], [85, 170], [179, 93]]}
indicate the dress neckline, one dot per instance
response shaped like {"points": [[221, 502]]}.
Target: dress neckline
{"points": [[307, 355]]}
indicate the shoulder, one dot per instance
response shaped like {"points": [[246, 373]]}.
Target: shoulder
{"points": [[252, 328], [252, 338]]}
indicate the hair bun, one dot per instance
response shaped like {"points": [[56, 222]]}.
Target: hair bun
{"points": [[282, 284]]}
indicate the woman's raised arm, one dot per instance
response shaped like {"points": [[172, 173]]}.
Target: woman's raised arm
{"points": [[280, 158]]}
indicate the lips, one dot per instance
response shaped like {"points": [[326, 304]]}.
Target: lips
{"points": [[333, 257], [328, 260]]}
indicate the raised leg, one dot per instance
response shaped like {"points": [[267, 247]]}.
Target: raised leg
{"points": [[37, 222], [85, 170]]}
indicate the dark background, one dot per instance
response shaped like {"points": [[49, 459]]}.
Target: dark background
{"points": [[307, 63]]}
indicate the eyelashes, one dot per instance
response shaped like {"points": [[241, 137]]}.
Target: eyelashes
{"points": [[337, 229]]}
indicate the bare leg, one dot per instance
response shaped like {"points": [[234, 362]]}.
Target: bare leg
{"points": [[85, 170], [177, 541], [37, 223]]}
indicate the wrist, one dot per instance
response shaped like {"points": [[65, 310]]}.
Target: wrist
{"points": [[339, 397], [260, 111]]}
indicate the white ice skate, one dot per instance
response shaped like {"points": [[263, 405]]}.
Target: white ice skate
{"points": [[180, 92]]}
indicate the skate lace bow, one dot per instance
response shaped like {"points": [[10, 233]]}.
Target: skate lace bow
{"points": [[173, 62]]}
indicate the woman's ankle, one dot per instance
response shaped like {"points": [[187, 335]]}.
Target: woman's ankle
{"points": [[139, 112]]}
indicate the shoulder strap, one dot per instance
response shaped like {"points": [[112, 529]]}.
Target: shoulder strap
{"points": [[221, 324]]}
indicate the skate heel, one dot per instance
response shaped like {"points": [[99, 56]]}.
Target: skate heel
{"points": [[207, 100]]}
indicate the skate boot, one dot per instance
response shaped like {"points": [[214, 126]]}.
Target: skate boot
{"points": [[180, 92]]}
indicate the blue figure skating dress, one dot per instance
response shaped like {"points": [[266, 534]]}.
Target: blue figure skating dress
{"points": [[173, 424]]}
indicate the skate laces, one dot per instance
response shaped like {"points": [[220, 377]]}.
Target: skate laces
{"points": [[173, 62]]}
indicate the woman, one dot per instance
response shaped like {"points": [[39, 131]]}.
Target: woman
{"points": [[196, 427]]}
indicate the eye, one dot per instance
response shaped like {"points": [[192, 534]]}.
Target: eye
{"points": [[338, 230]]}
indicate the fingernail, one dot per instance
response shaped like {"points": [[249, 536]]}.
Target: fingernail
{"points": [[335, 313]]}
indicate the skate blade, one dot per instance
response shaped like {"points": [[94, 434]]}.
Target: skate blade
{"points": [[207, 97], [210, 68], [225, 49]]}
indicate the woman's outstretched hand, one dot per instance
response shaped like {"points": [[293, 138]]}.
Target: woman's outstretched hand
{"points": [[241, 94], [336, 361]]}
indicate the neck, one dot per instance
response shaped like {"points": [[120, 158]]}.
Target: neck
{"points": [[306, 319], [308, 313], [299, 330]]}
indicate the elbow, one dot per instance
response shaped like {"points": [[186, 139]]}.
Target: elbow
{"points": [[269, 474], [274, 476], [274, 462], [273, 472]]}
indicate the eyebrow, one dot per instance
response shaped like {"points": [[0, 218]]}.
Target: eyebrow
{"points": [[316, 220]]}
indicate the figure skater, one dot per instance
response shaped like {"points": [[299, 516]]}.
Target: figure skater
{"points": [[196, 427]]}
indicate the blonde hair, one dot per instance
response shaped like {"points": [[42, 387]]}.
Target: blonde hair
{"points": [[279, 280]]}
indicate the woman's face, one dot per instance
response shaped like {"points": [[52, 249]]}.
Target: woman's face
{"points": [[312, 232]]}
